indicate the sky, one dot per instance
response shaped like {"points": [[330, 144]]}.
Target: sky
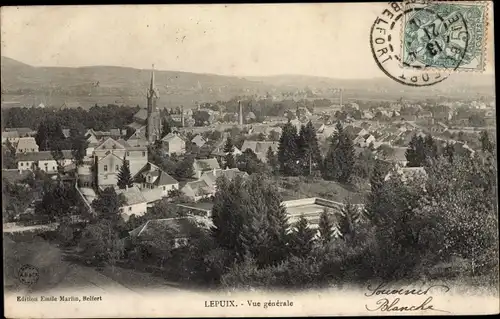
{"points": [[329, 40]]}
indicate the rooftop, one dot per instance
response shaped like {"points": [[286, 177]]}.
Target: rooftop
{"points": [[42, 156], [180, 227], [206, 164], [132, 195], [27, 143]]}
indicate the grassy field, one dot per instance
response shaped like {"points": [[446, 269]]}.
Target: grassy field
{"points": [[301, 187], [57, 272]]}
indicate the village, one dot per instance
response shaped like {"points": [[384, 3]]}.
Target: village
{"points": [[166, 165]]}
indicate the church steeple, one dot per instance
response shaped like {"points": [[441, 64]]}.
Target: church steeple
{"points": [[152, 92], [153, 120], [152, 85]]}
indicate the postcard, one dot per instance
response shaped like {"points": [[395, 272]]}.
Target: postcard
{"points": [[261, 160]]}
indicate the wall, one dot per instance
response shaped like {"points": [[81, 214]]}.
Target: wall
{"points": [[137, 209], [25, 165]]}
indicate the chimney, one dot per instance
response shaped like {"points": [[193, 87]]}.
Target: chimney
{"points": [[241, 113], [215, 170], [340, 98], [182, 115]]}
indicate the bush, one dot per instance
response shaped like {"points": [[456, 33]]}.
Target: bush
{"points": [[100, 244], [66, 235], [246, 275], [294, 272]]}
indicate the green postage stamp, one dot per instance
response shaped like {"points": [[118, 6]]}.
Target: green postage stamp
{"points": [[445, 35]]}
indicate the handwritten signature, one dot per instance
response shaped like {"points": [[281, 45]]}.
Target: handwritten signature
{"points": [[388, 305]]}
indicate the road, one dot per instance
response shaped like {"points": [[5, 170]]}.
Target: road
{"points": [[57, 273]]}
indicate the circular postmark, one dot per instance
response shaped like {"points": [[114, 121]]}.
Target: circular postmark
{"points": [[28, 274], [434, 36], [385, 43]]}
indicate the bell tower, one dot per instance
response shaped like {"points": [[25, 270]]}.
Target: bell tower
{"points": [[153, 128]]}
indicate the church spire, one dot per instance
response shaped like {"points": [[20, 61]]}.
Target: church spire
{"points": [[152, 85]]}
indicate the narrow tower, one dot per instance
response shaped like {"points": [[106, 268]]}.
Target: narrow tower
{"points": [[241, 114], [182, 115], [341, 98], [153, 120]]}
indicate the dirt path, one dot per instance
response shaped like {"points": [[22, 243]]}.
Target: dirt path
{"points": [[56, 273]]}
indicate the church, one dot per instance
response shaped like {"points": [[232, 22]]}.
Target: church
{"points": [[147, 122]]}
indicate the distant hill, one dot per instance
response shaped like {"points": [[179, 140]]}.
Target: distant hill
{"points": [[27, 85]]}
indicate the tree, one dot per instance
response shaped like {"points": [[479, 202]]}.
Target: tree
{"points": [[364, 164], [16, 199], [165, 127], [274, 136], [58, 156], [302, 238], [228, 150], [449, 151], [288, 151], [124, 177], [349, 217], [8, 155], [50, 135], [309, 149], [249, 162], [416, 152], [325, 228], [57, 201], [461, 202], [430, 148], [486, 144], [100, 243], [248, 219], [272, 160], [201, 118], [79, 149], [184, 168], [340, 158], [107, 205]]}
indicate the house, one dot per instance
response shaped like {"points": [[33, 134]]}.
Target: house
{"points": [[265, 130], [199, 140], [153, 177], [12, 137], [210, 177], [198, 190], [439, 127], [26, 144], [173, 143], [396, 155], [22, 131], [368, 115], [365, 140], [250, 117], [406, 173], [197, 209], [203, 165], [319, 127], [179, 229], [424, 115], [109, 157], [260, 148], [218, 149], [43, 160], [353, 131], [134, 202], [138, 138]]}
